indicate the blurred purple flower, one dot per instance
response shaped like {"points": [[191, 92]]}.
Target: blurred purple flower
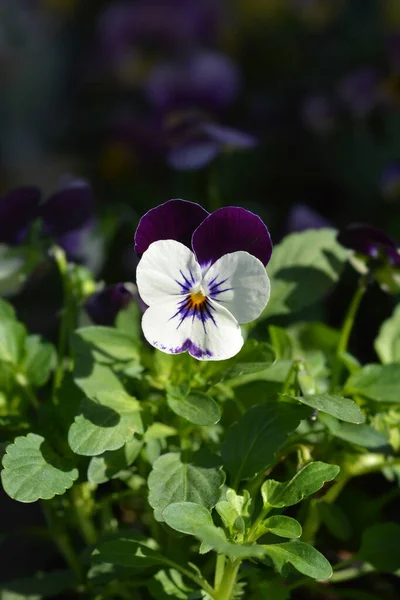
{"points": [[207, 79], [318, 113], [371, 242], [18, 210], [302, 217], [390, 180], [103, 306], [360, 92], [127, 25]]}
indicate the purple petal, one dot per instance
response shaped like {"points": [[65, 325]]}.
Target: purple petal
{"points": [[208, 80], [360, 91], [103, 306], [69, 209], [390, 180], [302, 217], [226, 136], [228, 230], [190, 156], [174, 220], [367, 240], [18, 209]]}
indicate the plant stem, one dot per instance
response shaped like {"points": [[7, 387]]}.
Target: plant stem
{"points": [[287, 383], [346, 330], [62, 265], [83, 504], [252, 535], [228, 581], [219, 570], [61, 539]]}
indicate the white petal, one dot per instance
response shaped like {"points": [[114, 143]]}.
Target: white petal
{"points": [[240, 283], [219, 338], [166, 268], [215, 337], [164, 331]]}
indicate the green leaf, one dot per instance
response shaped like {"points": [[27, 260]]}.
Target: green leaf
{"points": [[167, 584], [250, 445], [335, 520], [114, 465], [271, 589], [128, 320], [105, 422], [282, 343], [128, 553], [254, 357], [196, 407], [301, 556], [32, 470], [175, 478], [376, 382], [7, 312], [12, 340], [192, 519], [363, 435], [39, 360], [50, 584], [100, 354], [283, 526], [387, 344], [303, 267], [341, 408], [233, 508], [307, 481], [380, 547]]}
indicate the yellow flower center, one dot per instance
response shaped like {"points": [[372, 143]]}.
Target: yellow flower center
{"points": [[197, 298]]}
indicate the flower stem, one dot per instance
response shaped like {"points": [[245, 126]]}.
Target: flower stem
{"points": [[62, 265], [228, 581], [82, 504], [346, 330]]}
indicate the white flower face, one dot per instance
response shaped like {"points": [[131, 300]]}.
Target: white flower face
{"points": [[199, 310]]}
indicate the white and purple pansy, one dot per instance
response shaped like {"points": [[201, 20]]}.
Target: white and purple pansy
{"points": [[201, 275]]}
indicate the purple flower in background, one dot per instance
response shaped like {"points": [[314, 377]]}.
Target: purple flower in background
{"points": [[201, 275], [302, 217], [390, 180], [18, 210], [68, 215], [318, 114], [103, 306], [360, 91], [376, 254], [157, 25], [188, 96], [370, 242]]}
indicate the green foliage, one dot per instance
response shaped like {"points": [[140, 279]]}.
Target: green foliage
{"points": [[196, 407], [303, 267], [32, 470], [254, 357], [178, 477], [387, 344], [283, 526], [307, 481], [303, 557], [341, 408], [129, 553], [114, 465], [377, 382], [381, 546], [106, 421], [39, 360], [251, 444]]}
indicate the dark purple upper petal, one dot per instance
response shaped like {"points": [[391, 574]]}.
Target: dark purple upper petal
{"points": [[103, 306], [18, 209], [228, 230], [174, 220], [367, 240], [69, 209]]}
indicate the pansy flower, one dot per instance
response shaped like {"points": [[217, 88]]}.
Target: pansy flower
{"points": [[302, 217], [103, 306], [201, 275], [18, 210], [375, 253]]}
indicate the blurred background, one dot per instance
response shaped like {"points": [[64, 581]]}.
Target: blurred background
{"points": [[289, 108]]}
